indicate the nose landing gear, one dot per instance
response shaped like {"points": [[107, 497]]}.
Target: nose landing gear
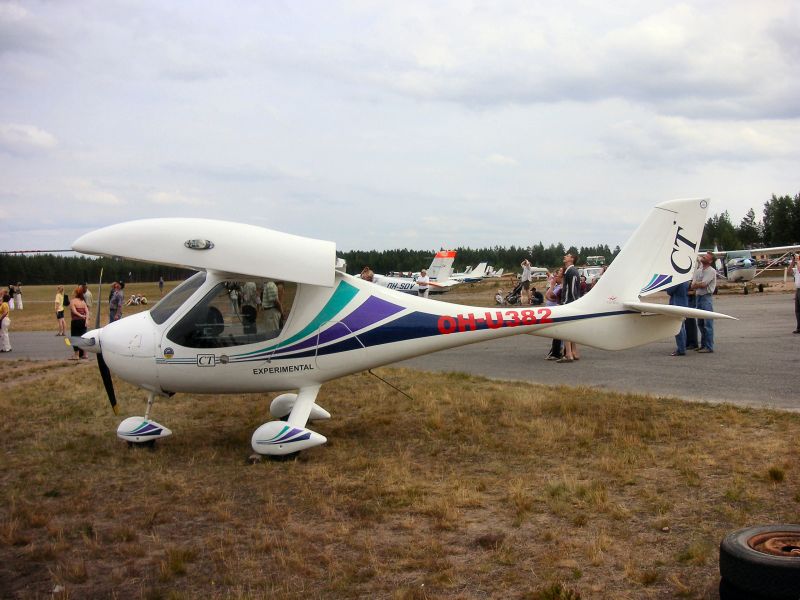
{"points": [[142, 430]]}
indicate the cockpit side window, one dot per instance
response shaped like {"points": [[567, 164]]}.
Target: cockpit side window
{"points": [[234, 314], [172, 301]]}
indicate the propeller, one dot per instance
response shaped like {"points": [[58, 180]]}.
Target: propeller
{"points": [[105, 374], [99, 301], [91, 344]]}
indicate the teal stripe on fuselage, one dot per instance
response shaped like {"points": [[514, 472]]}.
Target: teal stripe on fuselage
{"points": [[341, 297]]}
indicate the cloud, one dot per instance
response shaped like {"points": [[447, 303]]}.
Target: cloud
{"points": [[724, 61], [501, 160], [678, 140], [88, 192], [19, 30], [20, 139], [176, 198]]}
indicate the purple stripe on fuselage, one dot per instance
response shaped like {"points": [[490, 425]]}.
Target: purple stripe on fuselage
{"points": [[370, 312]]}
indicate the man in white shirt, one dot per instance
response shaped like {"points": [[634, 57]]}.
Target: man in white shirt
{"points": [[423, 281], [526, 281], [704, 284], [87, 295]]}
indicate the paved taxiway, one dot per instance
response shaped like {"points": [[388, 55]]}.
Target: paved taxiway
{"points": [[756, 362]]}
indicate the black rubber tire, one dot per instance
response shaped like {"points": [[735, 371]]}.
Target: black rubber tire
{"points": [[728, 591], [769, 576]]}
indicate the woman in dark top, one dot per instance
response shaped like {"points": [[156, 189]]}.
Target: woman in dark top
{"points": [[80, 317]]}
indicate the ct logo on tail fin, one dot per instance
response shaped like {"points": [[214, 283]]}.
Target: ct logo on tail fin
{"points": [[684, 256]]}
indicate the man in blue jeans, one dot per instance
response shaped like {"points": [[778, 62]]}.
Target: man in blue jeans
{"points": [[678, 296], [704, 284]]}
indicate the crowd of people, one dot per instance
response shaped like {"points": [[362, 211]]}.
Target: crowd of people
{"points": [[565, 285], [247, 299], [75, 306]]}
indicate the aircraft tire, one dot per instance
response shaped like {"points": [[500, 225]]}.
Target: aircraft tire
{"points": [[149, 444], [283, 457], [761, 573]]}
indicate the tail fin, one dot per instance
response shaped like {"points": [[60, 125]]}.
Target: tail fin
{"points": [[659, 254], [479, 271], [442, 265]]}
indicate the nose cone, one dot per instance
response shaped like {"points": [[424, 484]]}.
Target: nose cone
{"points": [[128, 347], [92, 341]]}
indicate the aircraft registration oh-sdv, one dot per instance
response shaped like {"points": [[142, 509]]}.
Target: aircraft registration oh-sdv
{"points": [[325, 323]]}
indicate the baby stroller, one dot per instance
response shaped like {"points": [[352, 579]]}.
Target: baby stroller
{"points": [[514, 296]]}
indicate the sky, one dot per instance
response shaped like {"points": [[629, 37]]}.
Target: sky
{"points": [[381, 125]]}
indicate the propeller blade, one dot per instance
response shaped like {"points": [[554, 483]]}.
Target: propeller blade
{"points": [[105, 374], [99, 300]]}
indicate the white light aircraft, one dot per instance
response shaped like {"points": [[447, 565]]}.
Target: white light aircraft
{"points": [[198, 340], [438, 274], [740, 265], [472, 275]]}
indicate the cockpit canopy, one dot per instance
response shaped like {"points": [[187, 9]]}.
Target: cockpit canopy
{"points": [[230, 313]]}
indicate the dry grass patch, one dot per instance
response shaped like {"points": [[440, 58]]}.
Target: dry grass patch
{"points": [[473, 489]]}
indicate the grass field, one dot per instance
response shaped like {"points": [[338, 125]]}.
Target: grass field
{"points": [[473, 489]]}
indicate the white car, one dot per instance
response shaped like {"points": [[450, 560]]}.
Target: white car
{"points": [[591, 273]]}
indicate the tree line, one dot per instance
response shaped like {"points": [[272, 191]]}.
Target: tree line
{"points": [[499, 257], [54, 269], [779, 226]]}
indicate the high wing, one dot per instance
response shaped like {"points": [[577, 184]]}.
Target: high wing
{"points": [[776, 250], [221, 246]]}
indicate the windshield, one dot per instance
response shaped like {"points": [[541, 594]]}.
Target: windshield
{"points": [[235, 313], [172, 301]]}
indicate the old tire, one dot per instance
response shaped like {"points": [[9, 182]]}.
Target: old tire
{"points": [[728, 591], [764, 561]]}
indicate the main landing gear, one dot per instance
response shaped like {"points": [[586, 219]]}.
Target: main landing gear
{"points": [[285, 438]]}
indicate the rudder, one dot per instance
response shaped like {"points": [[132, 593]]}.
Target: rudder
{"points": [[660, 253]]}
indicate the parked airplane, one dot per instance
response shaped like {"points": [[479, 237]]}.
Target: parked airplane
{"points": [[471, 275], [198, 339], [438, 273], [740, 265]]}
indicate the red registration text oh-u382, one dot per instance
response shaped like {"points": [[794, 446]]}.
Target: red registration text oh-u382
{"points": [[493, 320]]}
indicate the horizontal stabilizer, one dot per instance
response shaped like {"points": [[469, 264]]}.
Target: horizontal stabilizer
{"points": [[675, 311]]}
